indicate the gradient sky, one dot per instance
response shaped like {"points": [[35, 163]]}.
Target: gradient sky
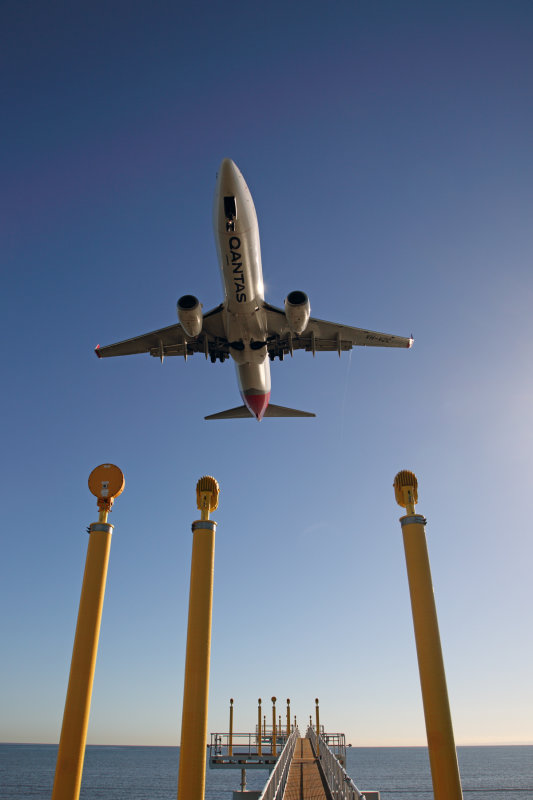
{"points": [[388, 149]]}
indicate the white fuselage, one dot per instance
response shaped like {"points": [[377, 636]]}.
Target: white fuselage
{"points": [[239, 253]]}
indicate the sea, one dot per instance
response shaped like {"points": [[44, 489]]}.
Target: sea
{"points": [[150, 773]]}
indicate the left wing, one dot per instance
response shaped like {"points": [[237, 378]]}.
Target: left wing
{"points": [[172, 341], [321, 335]]}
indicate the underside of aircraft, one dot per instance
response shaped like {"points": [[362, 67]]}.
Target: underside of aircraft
{"points": [[244, 326]]}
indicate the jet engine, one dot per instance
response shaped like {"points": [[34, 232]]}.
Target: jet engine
{"points": [[190, 314], [297, 311]]}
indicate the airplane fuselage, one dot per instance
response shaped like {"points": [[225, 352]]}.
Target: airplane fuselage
{"points": [[239, 254], [244, 326]]}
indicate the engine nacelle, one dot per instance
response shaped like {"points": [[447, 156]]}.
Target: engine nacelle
{"points": [[297, 311], [190, 314]]}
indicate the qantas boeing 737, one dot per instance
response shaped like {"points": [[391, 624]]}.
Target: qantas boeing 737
{"points": [[244, 326]]}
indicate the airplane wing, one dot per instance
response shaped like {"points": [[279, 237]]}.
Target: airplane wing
{"points": [[172, 341], [321, 335]]}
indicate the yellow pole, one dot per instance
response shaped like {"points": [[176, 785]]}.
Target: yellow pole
{"points": [[71, 752], [230, 745], [441, 745], [191, 780], [317, 728], [274, 750], [259, 741], [288, 717]]}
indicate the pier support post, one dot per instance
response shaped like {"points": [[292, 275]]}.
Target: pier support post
{"points": [[106, 482], [317, 727], [441, 744], [230, 743], [259, 738], [191, 780], [274, 749], [288, 717]]}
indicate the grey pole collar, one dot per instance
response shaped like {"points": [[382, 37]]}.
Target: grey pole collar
{"points": [[413, 520], [204, 525], [100, 526]]}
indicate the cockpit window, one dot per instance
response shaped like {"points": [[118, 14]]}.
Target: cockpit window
{"points": [[230, 208]]}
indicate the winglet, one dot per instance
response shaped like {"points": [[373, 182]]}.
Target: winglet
{"points": [[97, 351]]}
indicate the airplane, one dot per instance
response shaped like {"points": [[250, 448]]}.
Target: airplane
{"points": [[244, 326]]}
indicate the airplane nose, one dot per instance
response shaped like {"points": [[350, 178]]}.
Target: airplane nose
{"points": [[233, 204], [228, 173], [227, 166]]}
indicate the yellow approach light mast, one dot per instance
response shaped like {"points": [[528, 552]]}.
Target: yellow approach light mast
{"points": [[106, 482], [441, 743], [191, 780]]}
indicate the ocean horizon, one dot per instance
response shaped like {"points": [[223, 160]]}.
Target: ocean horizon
{"points": [[150, 772]]}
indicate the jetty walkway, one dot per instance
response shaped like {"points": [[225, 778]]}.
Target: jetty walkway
{"points": [[301, 768], [305, 781]]}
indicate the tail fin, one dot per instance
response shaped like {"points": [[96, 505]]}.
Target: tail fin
{"points": [[241, 412]]}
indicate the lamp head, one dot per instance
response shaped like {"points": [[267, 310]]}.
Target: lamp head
{"points": [[207, 490], [106, 482], [406, 490]]}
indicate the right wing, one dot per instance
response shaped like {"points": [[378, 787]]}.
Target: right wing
{"points": [[172, 341], [322, 335]]}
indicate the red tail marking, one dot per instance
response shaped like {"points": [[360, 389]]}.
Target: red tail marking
{"points": [[257, 404]]}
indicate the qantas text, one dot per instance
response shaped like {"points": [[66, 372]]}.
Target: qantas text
{"points": [[236, 264]]}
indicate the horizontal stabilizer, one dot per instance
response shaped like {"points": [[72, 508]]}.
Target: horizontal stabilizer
{"points": [[242, 412], [283, 411]]}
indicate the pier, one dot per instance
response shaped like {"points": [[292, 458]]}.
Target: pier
{"points": [[306, 768], [300, 768]]}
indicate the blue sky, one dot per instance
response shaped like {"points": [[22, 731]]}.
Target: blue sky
{"points": [[388, 150]]}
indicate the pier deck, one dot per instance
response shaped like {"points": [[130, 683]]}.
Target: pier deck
{"points": [[305, 779]]}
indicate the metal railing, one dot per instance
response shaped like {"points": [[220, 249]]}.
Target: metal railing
{"points": [[339, 782], [275, 785], [235, 749], [337, 744]]}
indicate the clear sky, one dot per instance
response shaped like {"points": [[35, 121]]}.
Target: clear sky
{"points": [[388, 149]]}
